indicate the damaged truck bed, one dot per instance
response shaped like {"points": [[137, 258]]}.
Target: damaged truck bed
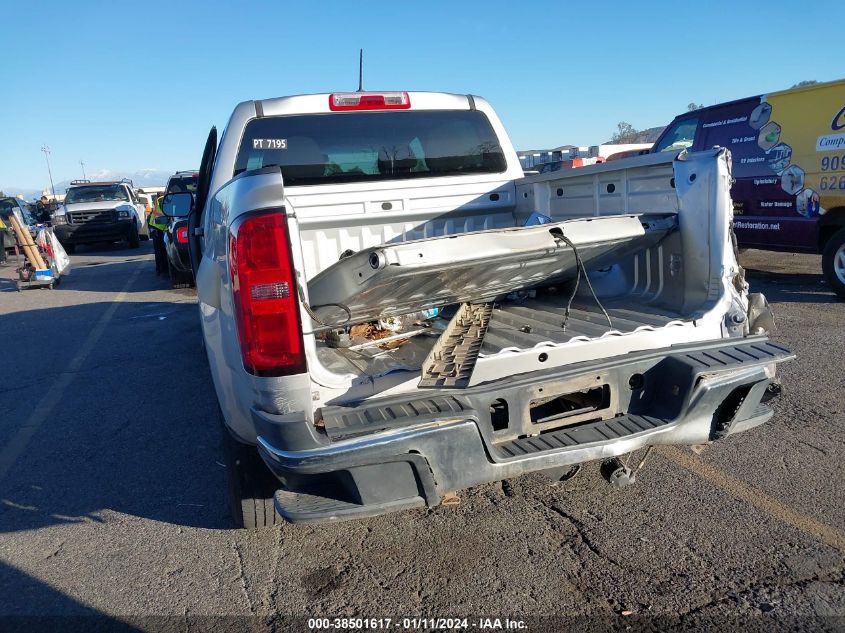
{"points": [[394, 279], [572, 340], [385, 336]]}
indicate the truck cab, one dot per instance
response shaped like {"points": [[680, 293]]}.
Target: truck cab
{"points": [[788, 167]]}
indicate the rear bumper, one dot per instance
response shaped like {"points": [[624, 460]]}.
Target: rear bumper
{"points": [[90, 233], [398, 453]]}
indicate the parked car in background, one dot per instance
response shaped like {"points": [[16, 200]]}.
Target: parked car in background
{"points": [[569, 163], [176, 234], [147, 200], [8, 206], [788, 164], [100, 212], [628, 153], [149, 196], [331, 229], [152, 192]]}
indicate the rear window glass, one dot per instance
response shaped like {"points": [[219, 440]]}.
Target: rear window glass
{"points": [[182, 184], [368, 146], [7, 205]]}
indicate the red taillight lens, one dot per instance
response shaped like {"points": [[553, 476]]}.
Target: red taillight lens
{"points": [[182, 234], [340, 101], [264, 289]]}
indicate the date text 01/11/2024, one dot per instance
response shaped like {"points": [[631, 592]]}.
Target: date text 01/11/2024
{"points": [[414, 623]]}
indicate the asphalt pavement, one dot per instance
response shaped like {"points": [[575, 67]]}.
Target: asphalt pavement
{"points": [[113, 509]]}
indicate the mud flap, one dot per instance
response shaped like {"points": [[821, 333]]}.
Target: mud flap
{"points": [[760, 317]]}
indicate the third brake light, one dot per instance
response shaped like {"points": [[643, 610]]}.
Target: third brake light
{"points": [[340, 101]]}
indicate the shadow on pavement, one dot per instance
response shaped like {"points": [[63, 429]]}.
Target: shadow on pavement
{"points": [[146, 281], [7, 284], [116, 249], [46, 609], [111, 276], [791, 287], [134, 431], [113, 279]]}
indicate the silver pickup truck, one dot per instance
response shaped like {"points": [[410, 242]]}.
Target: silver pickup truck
{"points": [[392, 311]]}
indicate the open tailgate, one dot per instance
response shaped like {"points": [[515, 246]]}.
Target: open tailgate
{"points": [[392, 279]]}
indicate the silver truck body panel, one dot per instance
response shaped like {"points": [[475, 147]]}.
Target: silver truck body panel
{"points": [[681, 291], [654, 277]]}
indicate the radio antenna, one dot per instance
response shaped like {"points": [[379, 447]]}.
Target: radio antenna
{"points": [[360, 70]]}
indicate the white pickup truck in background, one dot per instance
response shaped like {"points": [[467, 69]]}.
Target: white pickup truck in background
{"points": [[392, 311], [105, 211]]}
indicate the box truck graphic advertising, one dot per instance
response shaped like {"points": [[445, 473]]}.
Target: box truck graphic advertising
{"points": [[788, 152]]}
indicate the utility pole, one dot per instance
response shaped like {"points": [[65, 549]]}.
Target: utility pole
{"points": [[82, 162], [46, 151]]}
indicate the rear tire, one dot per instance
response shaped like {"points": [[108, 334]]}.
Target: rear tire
{"points": [[178, 279], [133, 240], [250, 484], [833, 262]]}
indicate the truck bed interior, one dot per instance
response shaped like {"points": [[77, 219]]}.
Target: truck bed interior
{"points": [[638, 293], [654, 287], [540, 321]]}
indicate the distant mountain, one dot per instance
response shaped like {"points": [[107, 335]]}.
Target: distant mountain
{"points": [[649, 135], [26, 192], [140, 178]]}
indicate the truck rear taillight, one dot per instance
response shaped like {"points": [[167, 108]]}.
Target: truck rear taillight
{"points": [[341, 101], [182, 234], [264, 292]]}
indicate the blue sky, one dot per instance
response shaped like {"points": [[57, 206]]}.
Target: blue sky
{"points": [[129, 86]]}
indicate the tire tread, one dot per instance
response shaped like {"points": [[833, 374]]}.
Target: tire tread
{"points": [[833, 245], [250, 484]]}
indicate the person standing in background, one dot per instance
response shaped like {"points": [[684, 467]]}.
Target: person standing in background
{"points": [[43, 210]]}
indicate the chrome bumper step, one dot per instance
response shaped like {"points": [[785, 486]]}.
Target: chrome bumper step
{"points": [[300, 507]]}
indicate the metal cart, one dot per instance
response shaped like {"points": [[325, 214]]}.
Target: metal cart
{"points": [[29, 277]]}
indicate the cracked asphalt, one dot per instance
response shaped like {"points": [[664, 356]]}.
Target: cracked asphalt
{"points": [[112, 496]]}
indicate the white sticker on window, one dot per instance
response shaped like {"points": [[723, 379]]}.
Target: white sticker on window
{"points": [[269, 143], [256, 161]]}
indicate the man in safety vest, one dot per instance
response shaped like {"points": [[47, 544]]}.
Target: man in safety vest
{"points": [[157, 222]]}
